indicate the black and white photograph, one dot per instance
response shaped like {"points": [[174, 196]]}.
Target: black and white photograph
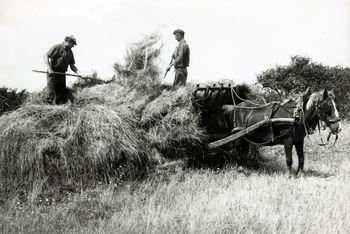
{"points": [[175, 116]]}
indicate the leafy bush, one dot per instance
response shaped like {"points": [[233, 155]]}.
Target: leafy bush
{"points": [[11, 99], [302, 73]]}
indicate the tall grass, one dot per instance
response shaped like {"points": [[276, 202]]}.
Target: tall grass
{"points": [[262, 200]]}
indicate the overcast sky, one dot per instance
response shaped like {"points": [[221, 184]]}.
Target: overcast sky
{"points": [[228, 39]]}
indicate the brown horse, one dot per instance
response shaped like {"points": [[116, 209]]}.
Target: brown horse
{"points": [[319, 106], [210, 100]]}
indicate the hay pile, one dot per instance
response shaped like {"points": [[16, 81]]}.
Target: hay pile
{"points": [[109, 132], [114, 95], [173, 126], [66, 144], [95, 138]]}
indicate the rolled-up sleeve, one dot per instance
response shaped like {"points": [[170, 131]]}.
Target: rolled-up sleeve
{"points": [[53, 51]]}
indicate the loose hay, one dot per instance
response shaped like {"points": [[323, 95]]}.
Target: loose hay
{"points": [[106, 94], [173, 126], [140, 68], [107, 132], [113, 95], [65, 144]]}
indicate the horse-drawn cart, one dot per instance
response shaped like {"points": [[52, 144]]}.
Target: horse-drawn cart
{"points": [[211, 99], [229, 117]]}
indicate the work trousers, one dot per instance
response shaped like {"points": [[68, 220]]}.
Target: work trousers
{"points": [[56, 89], [180, 76]]}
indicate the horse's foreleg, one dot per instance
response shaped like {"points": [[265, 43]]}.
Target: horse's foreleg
{"points": [[244, 149], [299, 146], [289, 159], [239, 150]]}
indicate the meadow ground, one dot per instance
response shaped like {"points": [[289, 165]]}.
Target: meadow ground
{"points": [[172, 200]]}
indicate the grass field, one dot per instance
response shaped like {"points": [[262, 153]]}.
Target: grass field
{"points": [[172, 200]]}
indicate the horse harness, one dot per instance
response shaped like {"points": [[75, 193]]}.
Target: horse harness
{"points": [[272, 108]]}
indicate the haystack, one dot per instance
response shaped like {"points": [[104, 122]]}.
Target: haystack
{"points": [[70, 144], [94, 138], [107, 133]]}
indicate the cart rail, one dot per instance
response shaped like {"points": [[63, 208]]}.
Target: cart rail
{"points": [[248, 130]]}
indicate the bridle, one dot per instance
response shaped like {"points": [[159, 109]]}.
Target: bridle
{"points": [[327, 122]]}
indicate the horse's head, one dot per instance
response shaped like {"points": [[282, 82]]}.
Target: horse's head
{"points": [[321, 105]]}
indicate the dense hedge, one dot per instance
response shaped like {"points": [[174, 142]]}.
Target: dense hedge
{"points": [[11, 99], [302, 73]]}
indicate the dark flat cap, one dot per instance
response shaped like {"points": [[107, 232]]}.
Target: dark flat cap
{"points": [[179, 31], [71, 38]]}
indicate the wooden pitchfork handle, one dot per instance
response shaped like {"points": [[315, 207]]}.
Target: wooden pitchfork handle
{"points": [[69, 74], [167, 70], [58, 73]]}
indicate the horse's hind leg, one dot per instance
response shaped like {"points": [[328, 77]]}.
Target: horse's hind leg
{"points": [[299, 146], [288, 147]]}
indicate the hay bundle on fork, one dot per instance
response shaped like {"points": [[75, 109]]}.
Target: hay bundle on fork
{"points": [[140, 68]]}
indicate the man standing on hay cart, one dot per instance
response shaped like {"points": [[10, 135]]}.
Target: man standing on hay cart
{"points": [[180, 59], [57, 59]]}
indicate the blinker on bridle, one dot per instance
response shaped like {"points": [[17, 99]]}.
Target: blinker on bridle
{"points": [[327, 122]]}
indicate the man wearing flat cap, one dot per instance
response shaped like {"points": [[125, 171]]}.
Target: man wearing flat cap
{"points": [[57, 59], [181, 59]]}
